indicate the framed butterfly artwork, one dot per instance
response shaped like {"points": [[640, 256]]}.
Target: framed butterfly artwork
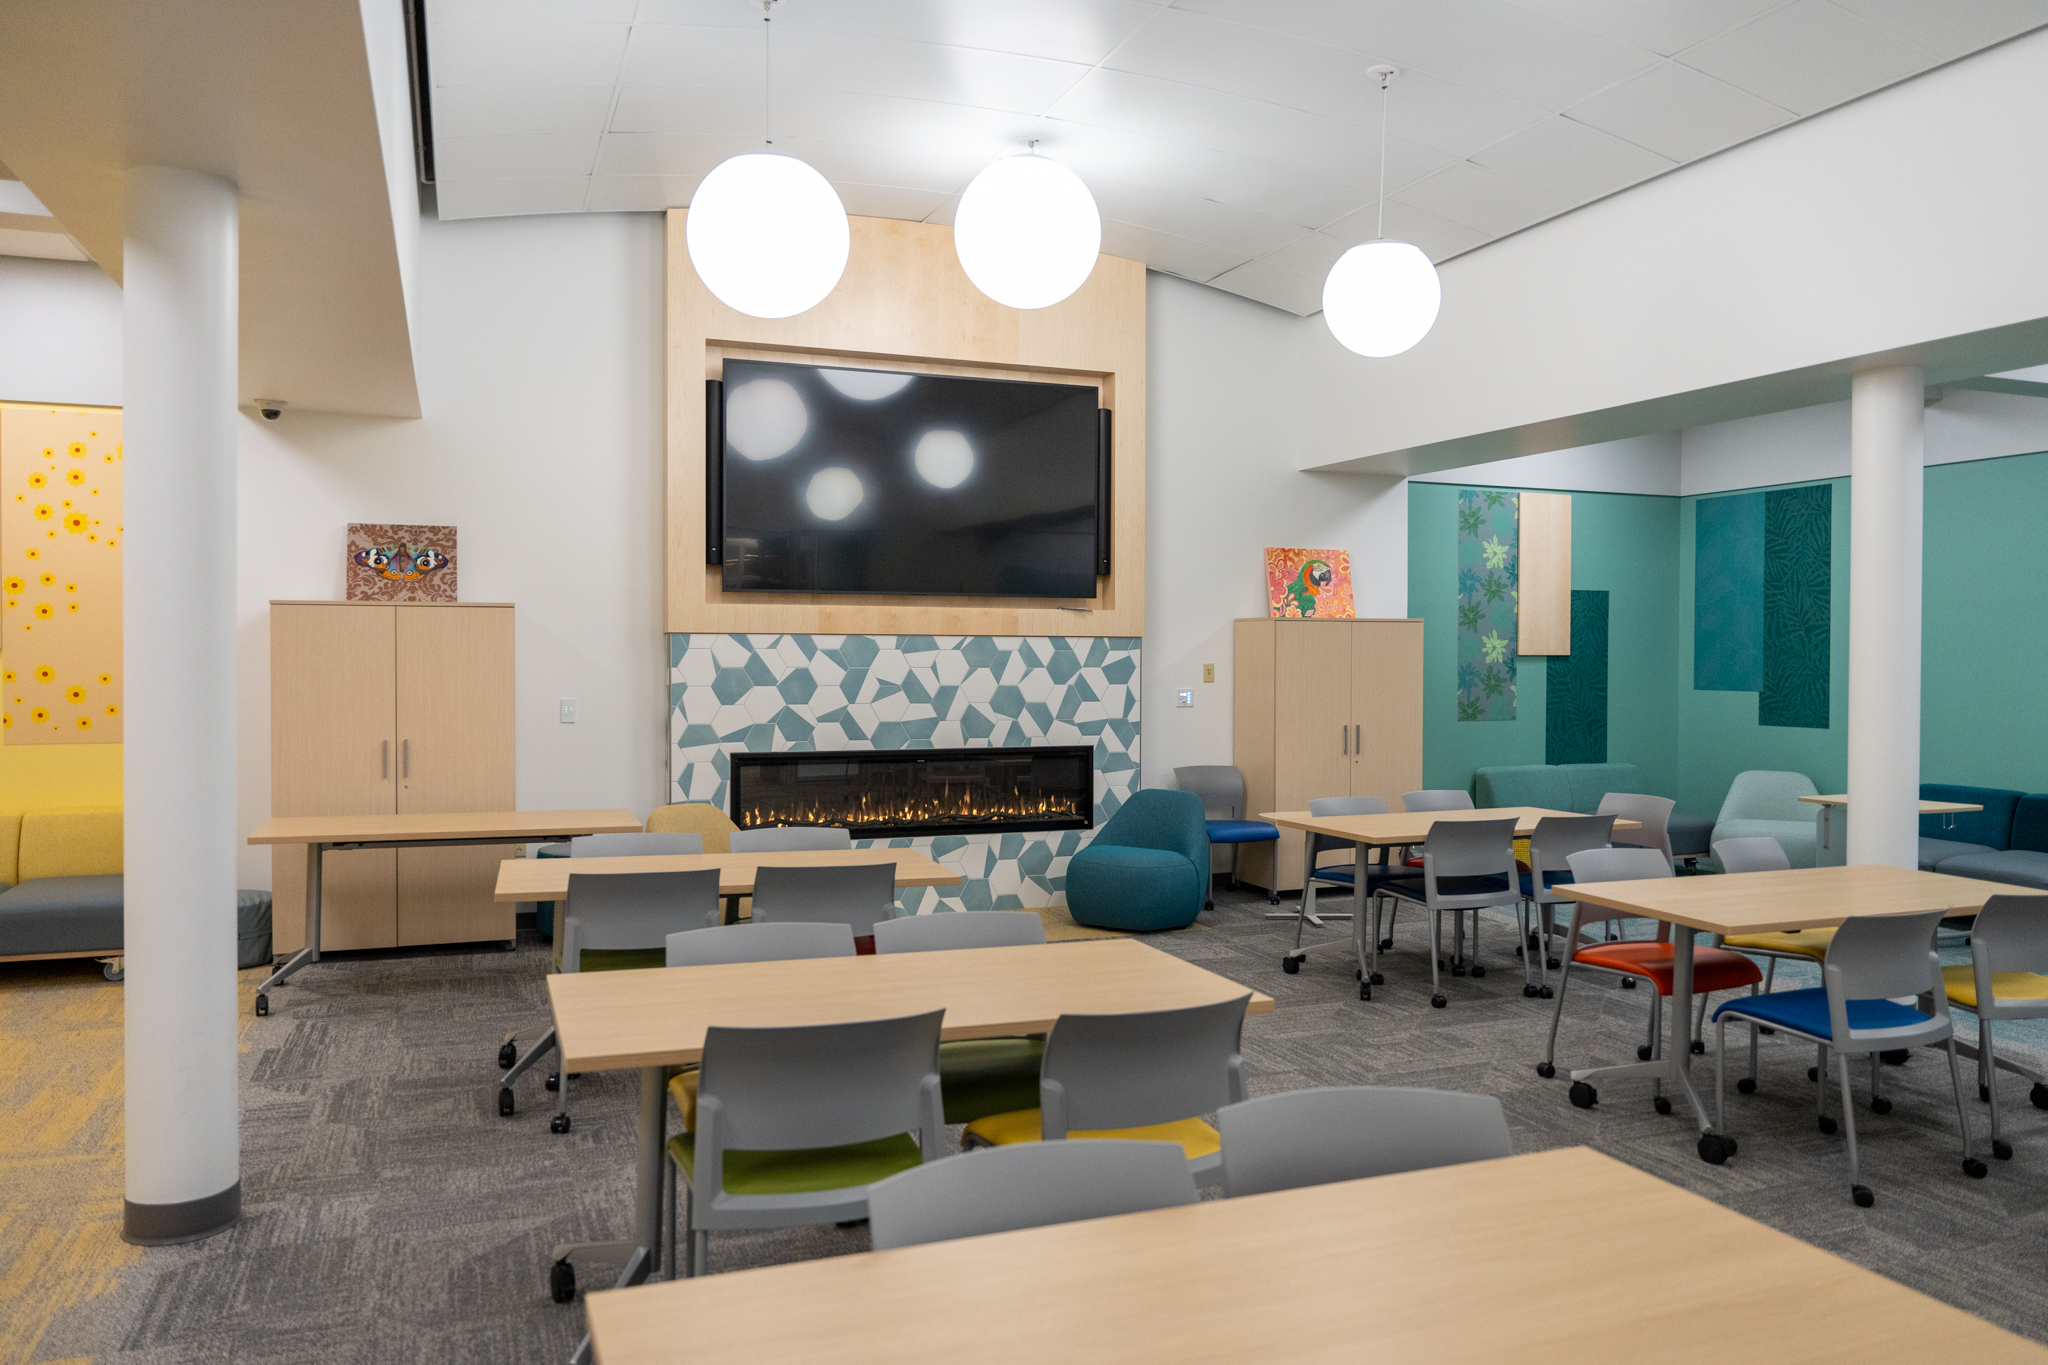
{"points": [[400, 563]]}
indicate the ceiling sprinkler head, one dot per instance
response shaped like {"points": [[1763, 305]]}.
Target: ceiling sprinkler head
{"points": [[1383, 74]]}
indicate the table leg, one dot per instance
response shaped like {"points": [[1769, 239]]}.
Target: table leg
{"points": [[642, 1260], [310, 952], [1361, 930], [1674, 1068]]}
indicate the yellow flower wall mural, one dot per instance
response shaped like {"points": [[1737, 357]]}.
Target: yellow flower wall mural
{"points": [[60, 574]]}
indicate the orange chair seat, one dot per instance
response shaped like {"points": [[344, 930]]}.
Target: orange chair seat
{"points": [[1713, 969]]}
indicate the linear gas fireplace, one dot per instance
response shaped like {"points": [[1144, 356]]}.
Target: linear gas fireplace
{"points": [[897, 793]]}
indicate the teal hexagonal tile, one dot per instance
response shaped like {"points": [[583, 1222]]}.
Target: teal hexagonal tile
{"points": [[889, 735], [731, 684], [1119, 671], [797, 688], [1007, 701], [1035, 860], [792, 724], [976, 724], [980, 652], [858, 652]]}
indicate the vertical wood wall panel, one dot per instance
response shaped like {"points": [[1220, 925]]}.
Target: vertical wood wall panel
{"points": [[1544, 610]]}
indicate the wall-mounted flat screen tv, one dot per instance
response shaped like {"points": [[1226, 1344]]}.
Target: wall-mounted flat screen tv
{"points": [[833, 480]]}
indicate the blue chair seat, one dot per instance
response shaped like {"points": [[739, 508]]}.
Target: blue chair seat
{"points": [[1241, 831], [1807, 1012], [1412, 887], [1550, 879]]}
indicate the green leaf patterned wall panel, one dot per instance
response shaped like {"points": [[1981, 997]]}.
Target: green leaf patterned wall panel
{"points": [[1798, 592], [1489, 576], [1575, 700]]}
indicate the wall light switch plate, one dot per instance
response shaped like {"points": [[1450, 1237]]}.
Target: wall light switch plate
{"points": [[1208, 673], [568, 710], [1186, 698]]}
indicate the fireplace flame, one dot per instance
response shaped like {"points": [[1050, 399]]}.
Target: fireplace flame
{"points": [[967, 804]]}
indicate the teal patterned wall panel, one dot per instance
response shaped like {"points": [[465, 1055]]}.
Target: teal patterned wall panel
{"points": [[1575, 700], [1728, 594], [1489, 571], [1798, 591]]}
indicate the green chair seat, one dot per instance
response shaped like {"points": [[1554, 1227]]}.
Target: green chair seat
{"points": [[622, 959], [983, 1076], [805, 1170]]}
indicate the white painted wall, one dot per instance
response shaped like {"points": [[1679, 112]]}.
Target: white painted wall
{"points": [[60, 333], [1640, 464]]}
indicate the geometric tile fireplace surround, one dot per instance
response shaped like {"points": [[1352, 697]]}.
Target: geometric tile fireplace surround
{"points": [[798, 693]]}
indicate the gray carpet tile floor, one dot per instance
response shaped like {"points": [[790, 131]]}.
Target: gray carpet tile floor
{"points": [[392, 1215]]}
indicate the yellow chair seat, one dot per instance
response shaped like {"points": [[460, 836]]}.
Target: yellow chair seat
{"points": [[1811, 943], [1195, 1137], [806, 1170], [1961, 985], [683, 1089]]}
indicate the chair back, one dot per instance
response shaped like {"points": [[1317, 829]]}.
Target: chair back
{"points": [[1876, 957], [2010, 935], [959, 929], [1653, 813], [1437, 800], [1760, 853], [792, 839], [1340, 805], [701, 818], [818, 1085], [1761, 794], [758, 943], [633, 845], [1314, 1137], [623, 911], [1613, 865], [1027, 1185], [1132, 1070], [1557, 837], [1220, 786], [1471, 848], [858, 895]]}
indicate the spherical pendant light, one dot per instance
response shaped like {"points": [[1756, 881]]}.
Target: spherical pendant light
{"points": [[1381, 298], [1027, 231], [767, 235]]}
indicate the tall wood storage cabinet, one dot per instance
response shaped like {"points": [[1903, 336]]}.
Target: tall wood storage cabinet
{"points": [[1323, 708], [380, 709]]}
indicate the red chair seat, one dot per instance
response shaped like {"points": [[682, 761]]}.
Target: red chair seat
{"points": [[1713, 969]]}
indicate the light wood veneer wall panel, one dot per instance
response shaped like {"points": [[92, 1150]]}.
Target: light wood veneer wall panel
{"points": [[904, 303], [1543, 611]]}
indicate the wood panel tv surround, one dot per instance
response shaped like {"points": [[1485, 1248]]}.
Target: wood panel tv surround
{"points": [[905, 304]]}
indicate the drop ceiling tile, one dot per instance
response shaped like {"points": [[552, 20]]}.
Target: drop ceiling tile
{"points": [[1487, 201], [887, 201], [1082, 31], [1158, 250], [533, 11], [494, 110], [1665, 26], [1239, 233], [984, 134], [1679, 113], [1574, 160], [638, 193], [703, 110], [1271, 189], [940, 169], [1808, 56], [503, 198], [676, 54], [514, 157], [1439, 238], [525, 54], [1267, 283], [672, 154], [1951, 28]]}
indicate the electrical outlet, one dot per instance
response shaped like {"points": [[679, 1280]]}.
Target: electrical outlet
{"points": [[1208, 673], [1186, 698], [568, 710]]}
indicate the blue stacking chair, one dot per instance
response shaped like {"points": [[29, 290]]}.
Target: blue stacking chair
{"points": [[1221, 787], [1873, 962]]}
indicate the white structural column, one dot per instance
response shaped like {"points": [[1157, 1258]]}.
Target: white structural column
{"points": [[1887, 470], [178, 587]]}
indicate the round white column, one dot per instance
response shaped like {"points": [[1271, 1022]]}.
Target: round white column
{"points": [[178, 654], [1887, 469]]}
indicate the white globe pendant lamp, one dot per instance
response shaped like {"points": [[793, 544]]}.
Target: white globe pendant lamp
{"points": [[1381, 297], [767, 233], [1027, 231]]}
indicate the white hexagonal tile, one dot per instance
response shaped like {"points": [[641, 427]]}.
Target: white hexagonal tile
{"points": [[1004, 879], [731, 718], [704, 782], [823, 701], [891, 707], [791, 656], [730, 651], [889, 666], [864, 716], [825, 671], [1087, 711], [979, 687], [948, 736], [762, 703], [829, 736], [950, 668], [700, 704], [1063, 732], [698, 666], [1036, 685]]}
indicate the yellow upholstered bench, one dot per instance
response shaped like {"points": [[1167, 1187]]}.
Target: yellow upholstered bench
{"points": [[63, 868]]}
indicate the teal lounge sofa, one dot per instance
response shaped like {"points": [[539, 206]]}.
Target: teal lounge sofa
{"points": [[1579, 787], [1767, 804], [1148, 868]]}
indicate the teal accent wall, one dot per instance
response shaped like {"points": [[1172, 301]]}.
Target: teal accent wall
{"points": [[1622, 544]]}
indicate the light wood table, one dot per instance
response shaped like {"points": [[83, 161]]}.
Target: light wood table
{"points": [[547, 879], [654, 1020], [1396, 829], [1757, 903], [1833, 850], [456, 829], [1277, 1277]]}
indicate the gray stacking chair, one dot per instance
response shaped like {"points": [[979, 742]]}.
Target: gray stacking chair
{"points": [[1146, 1076], [1467, 865], [792, 839], [1874, 960], [1761, 853], [858, 895], [982, 1076], [1547, 885], [633, 845], [1221, 787], [1439, 799], [1316, 1137], [1335, 874], [1031, 1185], [729, 943], [2006, 979], [1653, 813], [778, 1109]]}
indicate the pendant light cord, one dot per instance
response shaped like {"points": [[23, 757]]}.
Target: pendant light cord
{"points": [[1381, 233], [768, 81]]}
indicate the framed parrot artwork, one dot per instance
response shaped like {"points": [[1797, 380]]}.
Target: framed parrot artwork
{"points": [[401, 563], [1309, 584]]}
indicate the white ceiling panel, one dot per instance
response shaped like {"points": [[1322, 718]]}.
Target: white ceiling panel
{"points": [[497, 110], [1680, 113], [533, 11], [503, 198], [676, 54], [678, 154], [1488, 201], [716, 110], [1774, 57], [1275, 285], [525, 54], [519, 156], [1572, 159], [1191, 260], [1190, 216], [887, 201], [1439, 237], [880, 66], [639, 193], [1666, 27], [1951, 27], [1083, 31]]}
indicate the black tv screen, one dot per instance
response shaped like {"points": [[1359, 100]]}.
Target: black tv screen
{"points": [[875, 481]]}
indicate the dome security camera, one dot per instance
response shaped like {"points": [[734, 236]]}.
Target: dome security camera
{"points": [[271, 408]]}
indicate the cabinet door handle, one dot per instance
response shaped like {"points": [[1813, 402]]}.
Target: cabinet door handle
{"points": [[1358, 739], [405, 758], [1345, 731], [384, 763]]}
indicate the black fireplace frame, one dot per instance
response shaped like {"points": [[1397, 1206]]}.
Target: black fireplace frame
{"points": [[741, 762]]}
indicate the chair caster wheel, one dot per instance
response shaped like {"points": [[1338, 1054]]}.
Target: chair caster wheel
{"points": [[1528, 992], [1545, 993], [1208, 905], [1553, 963], [1662, 1104], [1862, 1195], [1628, 983], [1974, 1168], [2039, 1095], [1746, 1086], [1546, 1070], [1290, 965], [1365, 990], [263, 1009], [505, 1102], [1437, 1002], [1379, 978], [1457, 971], [1813, 1073], [1880, 1105], [1827, 1124], [1715, 1149], [1583, 1096], [1983, 1094], [2001, 1149], [1643, 1052], [562, 1282], [1386, 945], [508, 1056], [1699, 1047], [559, 1124], [1477, 970], [1897, 1056], [554, 1080], [1767, 1031]]}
